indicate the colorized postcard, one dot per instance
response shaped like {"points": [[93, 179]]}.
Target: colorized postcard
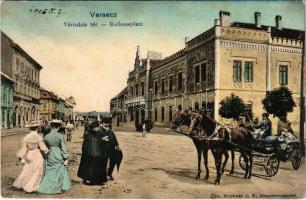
{"points": [[153, 99]]}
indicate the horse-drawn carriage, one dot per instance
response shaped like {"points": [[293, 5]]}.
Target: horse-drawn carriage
{"points": [[270, 151], [221, 139]]}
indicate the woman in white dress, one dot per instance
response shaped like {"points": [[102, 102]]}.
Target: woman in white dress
{"points": [[32, 159]]}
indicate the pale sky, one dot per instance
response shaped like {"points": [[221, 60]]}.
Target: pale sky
{"points": [[92, 64]]}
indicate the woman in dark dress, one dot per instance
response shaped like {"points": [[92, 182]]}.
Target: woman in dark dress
{"points": [[93, 163]]}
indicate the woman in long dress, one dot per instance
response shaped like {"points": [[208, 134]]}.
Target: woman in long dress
{"points": [[56, 179], [30, 155], [93, 163]]}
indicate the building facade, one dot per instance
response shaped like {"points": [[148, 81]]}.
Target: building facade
{"points": [[117, 108], [61, 108], [247, 59], [48, 105], [138, 87], [68, 116], [7, 92], [25, 72]]}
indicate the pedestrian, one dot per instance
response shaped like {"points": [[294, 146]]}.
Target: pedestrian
{"points": [[144, 131], [32, 159], [114, 153], [56, 179], [69, 128], [86, 125], [93, 163]]}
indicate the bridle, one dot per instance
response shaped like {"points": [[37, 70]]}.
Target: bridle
{"points": [[182, 119]]}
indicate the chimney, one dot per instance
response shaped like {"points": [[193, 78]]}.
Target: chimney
{"points": [[278, 20], [225, 18], [257, 19], [217, 22]]}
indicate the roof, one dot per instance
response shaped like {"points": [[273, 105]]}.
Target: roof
{"points": [[21, 51], [281, 33], [3, 75], [45, 94], [170, 58], [120, 94]]}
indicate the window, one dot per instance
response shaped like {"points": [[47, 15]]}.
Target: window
{"points": [[283, 75], [196, 106], [155, 87], [170, 83], [162, 114], [197, 74], [132, 90], [179, 107], [180, 80], [132, 115], [170, 113], [142, 88], [136, 89], [163, 86], [155, 115], [22, 67], [248, 71], [237, 71], [248, 113], [203, 72], [17, 65]]}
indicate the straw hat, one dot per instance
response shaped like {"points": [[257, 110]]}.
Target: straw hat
{"points": [[32, 124], [56, 121]]}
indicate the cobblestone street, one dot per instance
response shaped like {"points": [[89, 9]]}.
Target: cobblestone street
{"points": [[158, 166]]}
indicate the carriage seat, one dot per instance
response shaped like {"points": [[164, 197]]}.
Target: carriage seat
{"points": [[265, 145]]}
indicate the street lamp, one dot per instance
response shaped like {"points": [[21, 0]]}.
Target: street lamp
{"points": [[206, 89], [150, 103]]}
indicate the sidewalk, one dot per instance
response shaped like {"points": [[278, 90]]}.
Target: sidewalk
{"points": [[155, 129], [13, 131]]}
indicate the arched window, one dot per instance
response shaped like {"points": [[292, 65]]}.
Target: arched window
{"points": [[203, 105], [155, 115], [170, 113], [196, 106], [249, 111], [179, 107]]}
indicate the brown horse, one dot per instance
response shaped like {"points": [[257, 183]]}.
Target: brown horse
{"points": [[182, 118], [239, 138]]}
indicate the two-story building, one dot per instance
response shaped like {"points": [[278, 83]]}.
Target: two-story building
{"points": [[48, 105], [7, 92], [25, 73], [117, 107], [138, 90], [247, 59]]}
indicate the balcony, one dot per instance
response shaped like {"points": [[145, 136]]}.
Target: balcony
{"points": [[136, 101]]}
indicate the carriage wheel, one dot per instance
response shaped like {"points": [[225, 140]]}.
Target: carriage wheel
{"points": [[242, 162], [296, 159], [272, 166]]}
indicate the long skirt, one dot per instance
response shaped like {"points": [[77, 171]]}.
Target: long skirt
{"points": [[32, 172], [56, 179]]}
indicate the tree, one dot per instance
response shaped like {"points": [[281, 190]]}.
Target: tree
{"points": [[279, 102], [232, 107]]}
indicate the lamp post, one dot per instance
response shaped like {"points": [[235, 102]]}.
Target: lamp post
{"points": [[199, 85], [150, 103], [206, 99]]}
